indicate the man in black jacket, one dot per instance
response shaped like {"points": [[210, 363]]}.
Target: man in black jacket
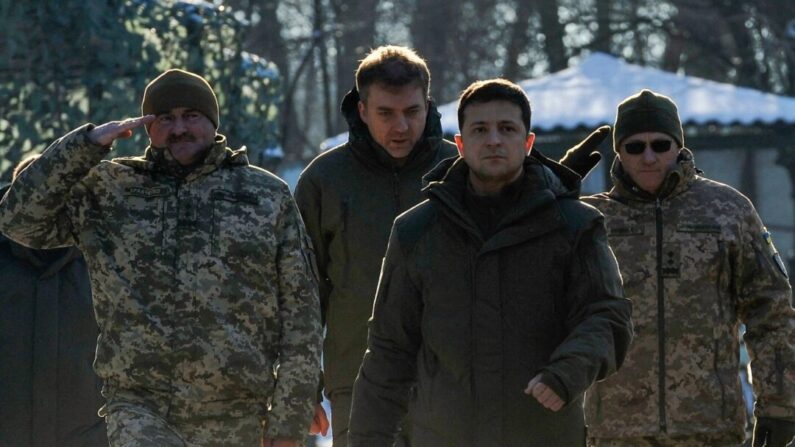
{"points": [[499, 300], [49, 394]]}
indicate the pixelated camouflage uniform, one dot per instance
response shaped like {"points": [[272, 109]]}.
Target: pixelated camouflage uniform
{"points": [[203, 282], [696, 263]]}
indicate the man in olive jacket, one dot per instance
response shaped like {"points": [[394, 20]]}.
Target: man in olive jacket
{"points": [[499, 300], [350, 195]]}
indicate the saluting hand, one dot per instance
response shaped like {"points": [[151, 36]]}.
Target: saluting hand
{"points": [[544, 394], [106, 134]]}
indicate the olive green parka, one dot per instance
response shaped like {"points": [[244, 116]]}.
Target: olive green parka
{"points": [[349, 196], [467, 321]]}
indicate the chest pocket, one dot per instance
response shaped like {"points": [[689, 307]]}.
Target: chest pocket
{"points": [[239, 224], [697, 246], [632, 241], [141, 219]]}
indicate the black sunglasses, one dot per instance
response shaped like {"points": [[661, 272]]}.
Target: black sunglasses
{"points": [[658, 146]]}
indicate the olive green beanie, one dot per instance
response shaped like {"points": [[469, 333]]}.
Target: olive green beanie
{"points": [[647, 111], [179, 88]]}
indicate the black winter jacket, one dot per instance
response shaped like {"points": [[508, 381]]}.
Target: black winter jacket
{"points": [[349, 196], [470, 321], [49, 394]]}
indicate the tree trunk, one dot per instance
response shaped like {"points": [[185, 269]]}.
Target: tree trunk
{"points": [[356, 19], [604, 35], [553, 33], [518, 39], [433, 32]]}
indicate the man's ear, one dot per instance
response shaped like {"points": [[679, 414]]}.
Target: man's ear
{"points": [[528, 144], [459, 143], [362, 108]]}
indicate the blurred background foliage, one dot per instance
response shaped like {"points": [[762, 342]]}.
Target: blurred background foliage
{"points": [[280, 67], [64, 63]]}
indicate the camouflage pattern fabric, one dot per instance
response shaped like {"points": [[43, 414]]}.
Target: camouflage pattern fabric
{"points": [[715, 267], [203, 282], [157, 419]]}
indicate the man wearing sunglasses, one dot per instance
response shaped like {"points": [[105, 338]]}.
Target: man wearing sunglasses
{"points": [[697, 261]]}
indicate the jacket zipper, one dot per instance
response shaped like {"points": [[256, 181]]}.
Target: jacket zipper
{"points": [[177, 211], [660, 317]]}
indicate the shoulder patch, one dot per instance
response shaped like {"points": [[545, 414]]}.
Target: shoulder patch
{"points": [[773, 252]]}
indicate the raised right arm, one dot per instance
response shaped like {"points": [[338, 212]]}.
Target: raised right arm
{"points": [[42, 207]]}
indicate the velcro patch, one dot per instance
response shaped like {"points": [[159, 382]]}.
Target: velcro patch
{"points": [[698, 228], [626, 231], [143, 191], [232, 196], [773, 252]]}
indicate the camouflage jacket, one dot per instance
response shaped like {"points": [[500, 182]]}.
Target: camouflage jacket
{"points": [[696, 262], [202, 283]]}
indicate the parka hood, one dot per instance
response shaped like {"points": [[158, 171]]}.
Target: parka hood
{"points": [[562, 181], [373, 154], [544, 181]]}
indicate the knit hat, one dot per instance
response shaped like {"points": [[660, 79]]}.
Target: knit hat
{"points": [[647, 111], [179, 88]]}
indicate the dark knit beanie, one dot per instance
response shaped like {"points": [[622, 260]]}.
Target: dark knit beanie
{"points": [[179, 88], [647, 112]]}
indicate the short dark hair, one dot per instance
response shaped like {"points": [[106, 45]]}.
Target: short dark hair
{"points": [[494, 90], [23, 164], [393, 66]]}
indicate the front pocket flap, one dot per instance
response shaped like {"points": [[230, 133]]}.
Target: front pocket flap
{"points": [[233, 196], [701, 227], [626, 231]]}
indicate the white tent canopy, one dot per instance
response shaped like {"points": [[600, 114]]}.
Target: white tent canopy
{"points": [[587, 95]]}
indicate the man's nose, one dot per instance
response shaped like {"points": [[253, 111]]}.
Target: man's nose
{"points": [[649, 156], [402, 123], [493, 137], [179, 126]]}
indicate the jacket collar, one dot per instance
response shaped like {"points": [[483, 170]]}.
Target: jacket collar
{"points": [[158, 159], [677, 181], [373, 154], [544, 181]]}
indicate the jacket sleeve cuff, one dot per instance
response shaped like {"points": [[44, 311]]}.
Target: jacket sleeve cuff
{"points": [[285, 429], [550, 380], [81, 133]]}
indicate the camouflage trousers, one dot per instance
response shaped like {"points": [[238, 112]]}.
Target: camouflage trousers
{"points": [[711, 440], [135, 422]]}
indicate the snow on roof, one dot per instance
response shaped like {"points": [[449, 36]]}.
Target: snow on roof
{"points": [[588, 94]]}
